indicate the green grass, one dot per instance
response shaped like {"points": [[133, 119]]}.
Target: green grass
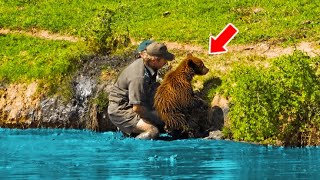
{"points": [[24, 58], [57, 16], [188, 20]]}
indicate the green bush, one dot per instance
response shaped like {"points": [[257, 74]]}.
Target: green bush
{"points": [[103, 33], [277, 103]]}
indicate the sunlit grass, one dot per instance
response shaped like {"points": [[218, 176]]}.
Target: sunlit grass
{"points": [[182, 20], [24, 58]]}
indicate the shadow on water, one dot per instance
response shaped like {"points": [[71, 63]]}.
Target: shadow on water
{"points": [[79, 154]]}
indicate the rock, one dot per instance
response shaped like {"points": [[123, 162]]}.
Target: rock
{"points": [[216, 135], [220, 107], [19, 104], [217, 118]]}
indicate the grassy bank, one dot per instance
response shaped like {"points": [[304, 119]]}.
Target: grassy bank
{"points": [[25, 59], [183, 20]]}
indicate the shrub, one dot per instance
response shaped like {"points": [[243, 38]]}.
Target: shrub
{"points": [[103, 34], [101, 101], [275, 104]]}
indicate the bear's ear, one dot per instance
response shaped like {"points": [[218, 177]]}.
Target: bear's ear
{"points": [[189, 55], [191, 63]]}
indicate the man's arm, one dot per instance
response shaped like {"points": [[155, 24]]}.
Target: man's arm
{"points": [[150, 116]]}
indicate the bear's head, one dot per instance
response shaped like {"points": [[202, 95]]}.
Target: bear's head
{"points": [[197, 65]]}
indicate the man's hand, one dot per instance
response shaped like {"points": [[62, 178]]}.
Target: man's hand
{"points": [[150, 116]]}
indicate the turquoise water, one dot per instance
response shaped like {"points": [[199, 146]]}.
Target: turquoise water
{"points": [[77, 154]]}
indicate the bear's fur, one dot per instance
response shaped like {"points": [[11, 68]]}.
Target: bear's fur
{"points": [[178, 106]]}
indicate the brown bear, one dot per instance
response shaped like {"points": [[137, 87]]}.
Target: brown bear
{"points": [[178, 106]]}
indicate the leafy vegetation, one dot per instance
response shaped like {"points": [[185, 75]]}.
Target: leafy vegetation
{"points": [[276, 103], [103, 35], [101, 101]]}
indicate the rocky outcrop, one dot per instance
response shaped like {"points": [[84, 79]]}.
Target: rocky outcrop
{"points": [[19, 105], [22, 106]]}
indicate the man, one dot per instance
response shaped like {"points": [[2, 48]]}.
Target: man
{"points": [[131, 98]]}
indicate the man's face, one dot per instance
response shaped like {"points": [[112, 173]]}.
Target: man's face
{"points": [[159, 63]]}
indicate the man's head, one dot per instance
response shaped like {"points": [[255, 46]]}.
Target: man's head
{"points": [[159, 50], [156, 55]]}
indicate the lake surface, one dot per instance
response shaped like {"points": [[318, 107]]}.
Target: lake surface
{"points": [[78, 154]]}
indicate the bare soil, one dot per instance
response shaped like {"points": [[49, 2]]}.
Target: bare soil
{"points": [[268, 49], [261, 49], [43, 34]]}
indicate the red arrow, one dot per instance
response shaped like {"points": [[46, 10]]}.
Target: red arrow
{"points": [[218, 45]]}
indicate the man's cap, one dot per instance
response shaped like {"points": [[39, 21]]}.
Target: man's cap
{"points": [[159, 50], [143, 45]]}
